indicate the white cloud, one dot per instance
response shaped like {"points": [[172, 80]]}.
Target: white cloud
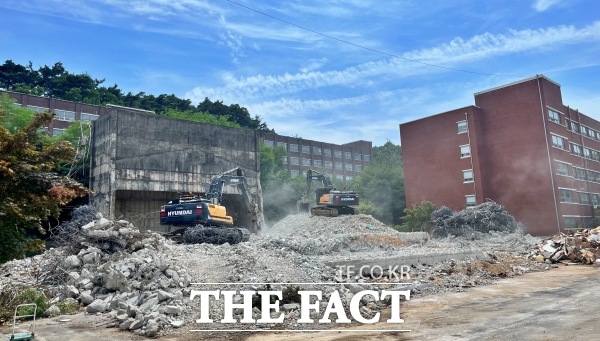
{"points": [[450, 54], [543, 5]]}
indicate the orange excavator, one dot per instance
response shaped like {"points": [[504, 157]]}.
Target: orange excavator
{"points": [[329, 201]]}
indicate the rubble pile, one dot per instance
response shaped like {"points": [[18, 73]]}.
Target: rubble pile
{"points": [[325, 235], [579, 247], [473, 222], [107, 267]]}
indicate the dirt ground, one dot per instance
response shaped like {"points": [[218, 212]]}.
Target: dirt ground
{"points": [[546, 305]]}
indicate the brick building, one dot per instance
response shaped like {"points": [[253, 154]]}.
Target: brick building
{"points": [[344, 161], [519, 145]]}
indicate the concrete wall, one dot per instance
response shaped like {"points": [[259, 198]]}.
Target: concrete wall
{"points": [[140, 161]]}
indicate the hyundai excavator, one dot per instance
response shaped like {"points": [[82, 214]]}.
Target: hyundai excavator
{"points": [[329, 201], [204, 219]]}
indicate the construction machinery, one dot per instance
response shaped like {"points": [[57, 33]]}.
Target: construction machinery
{"points": [[197, 219], [329, 201]]}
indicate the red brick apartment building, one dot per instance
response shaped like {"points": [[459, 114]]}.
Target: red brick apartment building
{"points": [[344, 161], [519, 146]]}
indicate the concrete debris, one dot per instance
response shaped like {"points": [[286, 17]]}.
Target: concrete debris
{"points": [[142, 280], [473, 222], [575, 247]]}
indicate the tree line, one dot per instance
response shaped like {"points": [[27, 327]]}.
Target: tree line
{"points": [[56, 82]]}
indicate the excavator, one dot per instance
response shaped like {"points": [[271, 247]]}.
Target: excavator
{"points": [[199, 219], [329, 201]]}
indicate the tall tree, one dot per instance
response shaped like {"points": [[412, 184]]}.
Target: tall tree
{"points": [[31, 189], [382, 184]]}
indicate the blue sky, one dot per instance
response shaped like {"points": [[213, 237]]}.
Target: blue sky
{"points": [[306, 84]]}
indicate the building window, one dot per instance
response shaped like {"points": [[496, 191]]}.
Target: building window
{"points": [[293, 148], [470, 200], [89, 117], [285, 161], [558, 142], [562, 168], [294, 173], [587, 153], [366, 157], [269, 143], [317, 163], [38, 109], [584, 198], [570, 222], [576, 149], [338, 165], [328, 165], [306, 149], [566, 195], [595, 199], [591, 134], [554, 116], [468, 175], [595, 155], [584, 130], [282, 144], [465, 151], [327, 152], [579, 173], [461, 127], [574, 127], [348, 155], [337, 153], [294, 161], [357, 168], [63, 115], [357, 157], [339, 176], [316, 150], [305, 162], [348, 178], [348, 166]]}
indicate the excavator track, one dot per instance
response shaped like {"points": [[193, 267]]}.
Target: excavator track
{"points": [[215, 235], [324, 211]]}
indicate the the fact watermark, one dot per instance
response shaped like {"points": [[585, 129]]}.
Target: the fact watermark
{"points": [[324, 306]]}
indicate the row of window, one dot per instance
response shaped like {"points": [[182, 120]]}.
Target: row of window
{"points": [[319, 151], [295, 173], [575, 127], [64, 115], [584, 198], [575, 149], [562, 168], [571, 222], [322, 164]]}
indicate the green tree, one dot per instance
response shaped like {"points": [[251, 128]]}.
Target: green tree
{"points": [[31, 189], [382, 184], [202, 117], [418, 218]]}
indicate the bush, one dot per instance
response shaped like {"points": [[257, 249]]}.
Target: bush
{"points": [[10, 298], [367, 207], [418, 218]]}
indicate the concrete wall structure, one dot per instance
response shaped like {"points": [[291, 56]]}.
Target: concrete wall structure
{"points": [[528, 152], [141, 161]]}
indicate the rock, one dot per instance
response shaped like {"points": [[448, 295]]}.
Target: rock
{"points": [[74, 277], [86, 298], [152, 328], [72, 262], [72, 291], [354, 288], [539, 258], [122, 318], [52, 311], [177, 324], [98, 306], [173, 310], [137, 323], [290, 306], [126, 324], [163, 296], [114, 280], [149, 305]]}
